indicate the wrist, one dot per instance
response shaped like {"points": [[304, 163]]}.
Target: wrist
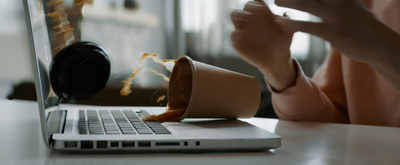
{"points": [[281, 75]]}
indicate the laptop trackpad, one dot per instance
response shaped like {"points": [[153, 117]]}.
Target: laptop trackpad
{"points": [[217, 128]]}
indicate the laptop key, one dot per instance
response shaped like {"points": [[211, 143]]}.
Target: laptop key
{"points": [[112, 129], [95, 126], [144, 131], [157, 128], [107, 120], [123, 123], [140, 127], [135, 120], [129, 132], [112, 132], [92, 128], [138, 123], [112, 126], [127, 129], [162, 132], [152, 123]]}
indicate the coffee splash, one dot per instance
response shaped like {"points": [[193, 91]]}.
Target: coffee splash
{"points": [[126, 89], [158, 74], [161, 98], [179, 92]]}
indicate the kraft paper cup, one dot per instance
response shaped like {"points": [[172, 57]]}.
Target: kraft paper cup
{"points": [[215, 92]]}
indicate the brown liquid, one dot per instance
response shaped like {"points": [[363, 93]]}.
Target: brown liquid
{"points": [[159, 74], [126, 89], [62, 26], [179, 93], [161, 98], [180, 88]]}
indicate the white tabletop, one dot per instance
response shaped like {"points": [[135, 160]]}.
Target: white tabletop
{"points": [[302, 143]]}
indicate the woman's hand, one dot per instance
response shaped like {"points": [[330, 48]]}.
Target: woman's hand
{"points": [[264, 44], [348, 25]]}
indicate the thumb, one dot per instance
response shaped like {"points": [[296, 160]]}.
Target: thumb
{"points": [[301, 26]]}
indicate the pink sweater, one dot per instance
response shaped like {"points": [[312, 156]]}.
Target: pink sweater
{"points": [[343, 90]]}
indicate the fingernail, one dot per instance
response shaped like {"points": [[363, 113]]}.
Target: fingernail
{"points": [[241, 15], [254, 4], [243, 12]]}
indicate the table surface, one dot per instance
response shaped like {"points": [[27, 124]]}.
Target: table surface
{"points": [[302, 143]]}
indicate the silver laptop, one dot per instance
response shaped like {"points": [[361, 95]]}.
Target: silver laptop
{"points": [[92, 128]]}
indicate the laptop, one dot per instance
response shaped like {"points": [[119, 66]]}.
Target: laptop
{"points": [[96, 128]]}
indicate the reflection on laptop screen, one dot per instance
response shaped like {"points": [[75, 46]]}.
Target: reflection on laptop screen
{"points": [[43, 53]]}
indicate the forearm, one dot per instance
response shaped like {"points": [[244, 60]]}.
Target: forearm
{"points": [[389, 66], [306, 101]]}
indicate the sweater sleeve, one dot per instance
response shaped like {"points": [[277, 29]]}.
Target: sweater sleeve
{"points": [[321, 99]]}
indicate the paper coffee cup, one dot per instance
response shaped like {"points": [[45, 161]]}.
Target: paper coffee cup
{"points": [[213, 92]]}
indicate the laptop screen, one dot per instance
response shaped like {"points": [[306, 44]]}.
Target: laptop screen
{"points": [[123, 32], [42, 55]]}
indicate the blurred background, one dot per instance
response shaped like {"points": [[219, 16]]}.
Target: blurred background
{"points": [[128, 28]]}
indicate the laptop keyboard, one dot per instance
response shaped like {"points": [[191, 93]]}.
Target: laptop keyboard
{"points": [[117, 122]]}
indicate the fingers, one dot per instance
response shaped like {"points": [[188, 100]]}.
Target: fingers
{"points": [[317, 29], [238, 38], [258, 7], [240, 18], [315, 7], [253, 13]]}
